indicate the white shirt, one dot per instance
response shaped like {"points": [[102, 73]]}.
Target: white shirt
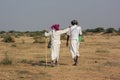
{"points": [[74, 32], [55, 35]]}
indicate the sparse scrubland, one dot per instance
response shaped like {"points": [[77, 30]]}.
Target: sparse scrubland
{"points": [[24, 57]]}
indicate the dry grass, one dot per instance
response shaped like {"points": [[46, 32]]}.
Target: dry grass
{"points": [[99, 60]]}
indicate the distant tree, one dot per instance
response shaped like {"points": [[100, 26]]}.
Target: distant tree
{"points": [[12, 31], [34, 33], [1, 32], [84, 32], [110, 30], [119, 30], [99, 29], [89, 30], [96, 30]]}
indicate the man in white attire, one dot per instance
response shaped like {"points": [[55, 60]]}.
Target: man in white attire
{"points": [[73, 33], [55, 42]]}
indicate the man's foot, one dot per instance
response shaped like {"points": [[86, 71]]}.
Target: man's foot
{"points": [[75, 64], [52, 63], [56, 63], [76, 61]]}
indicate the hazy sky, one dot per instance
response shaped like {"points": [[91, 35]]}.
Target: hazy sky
{"points": [[27, 15]]}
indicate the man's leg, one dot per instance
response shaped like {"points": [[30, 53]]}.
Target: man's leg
{"points": [[53, 55], [76, 54], [75, 61]]}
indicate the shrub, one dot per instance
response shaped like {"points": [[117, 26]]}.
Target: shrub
{"points": [[13, 45], [26, 61], [102, 51], [6, 60], [8, 39], [96, 30], [39, 40], [119, 30], [99, 29], [84, 32], [89, 30], [110, 30], [35, 33], [2, 32]]}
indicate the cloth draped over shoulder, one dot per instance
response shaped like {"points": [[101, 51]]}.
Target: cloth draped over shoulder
{"points": [[74, 32]]}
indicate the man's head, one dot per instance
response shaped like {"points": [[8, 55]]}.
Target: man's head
{"points": [[55, 27], [74, 22]]}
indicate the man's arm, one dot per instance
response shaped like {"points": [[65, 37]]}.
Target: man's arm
{"points": [[47, 33], [63, 31], [67, 40], [80, 33], [68, 36]]}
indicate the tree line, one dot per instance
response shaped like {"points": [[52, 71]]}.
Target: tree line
{"points": [[101, 29], [95, 30], [9, 36]]}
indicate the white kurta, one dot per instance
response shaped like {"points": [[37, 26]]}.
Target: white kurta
{"points": [[55, 42], [74, 43]]}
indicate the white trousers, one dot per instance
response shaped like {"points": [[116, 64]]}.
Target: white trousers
{"points": [[55, 49], [74, 48]]}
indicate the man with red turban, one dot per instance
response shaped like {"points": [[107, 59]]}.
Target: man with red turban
{"points": [[55, 42]]}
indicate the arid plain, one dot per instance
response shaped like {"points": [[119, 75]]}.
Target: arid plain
{"points": [[99, 60]]}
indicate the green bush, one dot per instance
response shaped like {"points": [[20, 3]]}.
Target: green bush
{"points": [[96, 30], [2, 32], [99, 29], [8, 39], [110, 30], [119, 30]]}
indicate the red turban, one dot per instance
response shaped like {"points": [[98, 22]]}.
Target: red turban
{"points": [[55, 27]]}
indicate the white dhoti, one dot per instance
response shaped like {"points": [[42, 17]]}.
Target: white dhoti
{"points": [[55, 48], [55, 42], [74, 48]]}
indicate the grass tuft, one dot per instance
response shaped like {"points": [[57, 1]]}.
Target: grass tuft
{"points": [[6, 60], [108, 63], [102, 51], [26, 61]]}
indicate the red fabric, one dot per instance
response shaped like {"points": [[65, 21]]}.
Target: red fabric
{"points": [[55, 27]]}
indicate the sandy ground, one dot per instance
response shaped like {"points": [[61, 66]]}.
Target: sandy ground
{"points": [[99, 60]]}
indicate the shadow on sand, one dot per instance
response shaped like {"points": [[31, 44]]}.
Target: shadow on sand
{"points": [[44, 63]]}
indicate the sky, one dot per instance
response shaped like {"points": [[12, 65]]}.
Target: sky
{"points": [[37, 15]]}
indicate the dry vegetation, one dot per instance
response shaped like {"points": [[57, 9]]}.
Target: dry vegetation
{"points": [[99, 60]]}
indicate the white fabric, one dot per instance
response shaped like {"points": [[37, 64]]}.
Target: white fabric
{"points": [[74, 32], [55, 35], [74, 48], [55, 42], [55, 49]]}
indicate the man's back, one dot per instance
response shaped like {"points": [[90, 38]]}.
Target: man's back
{"points": [[74, 32]]}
